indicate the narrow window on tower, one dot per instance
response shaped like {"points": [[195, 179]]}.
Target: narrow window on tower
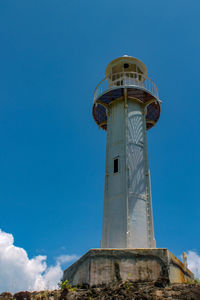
{"points": [[116, 165]]}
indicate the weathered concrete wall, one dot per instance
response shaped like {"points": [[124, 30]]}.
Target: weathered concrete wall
{"points": [[100, 266], [178, 272]]}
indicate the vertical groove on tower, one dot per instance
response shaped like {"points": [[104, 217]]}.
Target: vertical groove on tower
{"points": [[126, 169]]}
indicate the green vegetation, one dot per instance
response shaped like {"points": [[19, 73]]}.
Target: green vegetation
{"points": [[195, 281], [65, 285], [128, 285]]}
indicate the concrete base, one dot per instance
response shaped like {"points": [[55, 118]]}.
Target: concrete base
{"points": [[99, 266]]}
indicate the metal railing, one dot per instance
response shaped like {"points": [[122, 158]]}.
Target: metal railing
{"points": [[125, 79]]}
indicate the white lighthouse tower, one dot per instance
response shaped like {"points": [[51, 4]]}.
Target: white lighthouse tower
{"points": [[126, 105]]}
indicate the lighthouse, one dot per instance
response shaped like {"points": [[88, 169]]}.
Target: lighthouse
{"points": [[126, 105]]}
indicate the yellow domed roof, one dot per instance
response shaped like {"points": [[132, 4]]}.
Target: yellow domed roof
{"points": [[129, 62]]}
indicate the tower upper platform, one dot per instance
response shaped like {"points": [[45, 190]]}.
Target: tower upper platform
{"points": [[126, 76]]}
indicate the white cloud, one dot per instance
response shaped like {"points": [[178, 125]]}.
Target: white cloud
{"points": [[18, 272], [62, 259], [193, 260]]}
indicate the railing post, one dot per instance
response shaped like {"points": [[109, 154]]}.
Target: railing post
{"points": [[124, 79]]}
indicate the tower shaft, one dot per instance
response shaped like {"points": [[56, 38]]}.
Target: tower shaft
{"points": [[127, 217]]}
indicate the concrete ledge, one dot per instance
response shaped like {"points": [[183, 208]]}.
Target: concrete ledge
{"points": [[100, 266]]}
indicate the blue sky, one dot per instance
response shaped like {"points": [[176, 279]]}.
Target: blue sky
{"points": [[52, 155]]}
